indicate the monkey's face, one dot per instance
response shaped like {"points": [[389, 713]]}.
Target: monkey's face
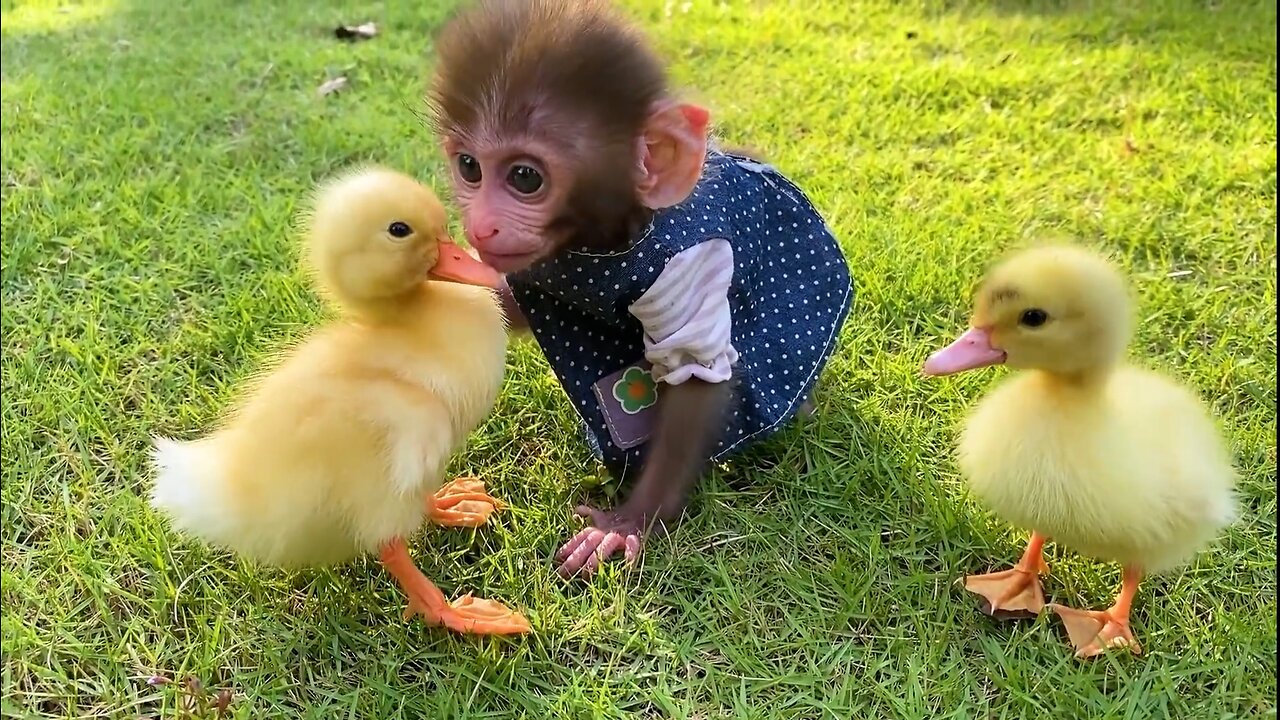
{"points": [[507, 193], [558, 128]]}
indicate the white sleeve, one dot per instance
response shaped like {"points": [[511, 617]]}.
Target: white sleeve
{"points": [[686, 319]]}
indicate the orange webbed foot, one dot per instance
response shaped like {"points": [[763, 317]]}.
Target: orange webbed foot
{"points": [[478, 616], [462, 503], [1093, 632], [1008, 591], [467, 614], [1016, 590]]}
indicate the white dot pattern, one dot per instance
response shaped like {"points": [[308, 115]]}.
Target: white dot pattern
{"points": [[790, 294]]}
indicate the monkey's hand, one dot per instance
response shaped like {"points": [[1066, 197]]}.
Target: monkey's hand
{"points": [[689, 417], [609, 532], [516, 321]]}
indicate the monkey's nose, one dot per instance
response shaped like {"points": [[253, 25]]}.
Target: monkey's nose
{"points": [[482, 234]]}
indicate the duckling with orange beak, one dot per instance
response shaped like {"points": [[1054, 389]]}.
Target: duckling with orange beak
{"points": [[1114, 461], [341, 448]]}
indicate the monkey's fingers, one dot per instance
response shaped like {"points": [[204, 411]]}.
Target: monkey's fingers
{"points": [[631, 551], [609, 544], [567, 549], [582, 553]]}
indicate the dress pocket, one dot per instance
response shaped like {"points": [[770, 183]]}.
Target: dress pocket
{"points": [[628, 400]]}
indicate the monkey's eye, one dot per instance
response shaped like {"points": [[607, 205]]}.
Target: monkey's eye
{"points": [[524, 179], [1033, 318], [398, 229], [469, 168]]}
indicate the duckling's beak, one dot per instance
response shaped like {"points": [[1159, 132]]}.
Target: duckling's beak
{"points": [[456, 265], [969, 351]]}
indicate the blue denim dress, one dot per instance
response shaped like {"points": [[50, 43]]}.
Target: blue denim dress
{"points": [[790, 294]]}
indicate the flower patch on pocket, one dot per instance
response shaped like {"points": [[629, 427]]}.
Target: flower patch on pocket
{"points": [[627, 399], [636, 390]]}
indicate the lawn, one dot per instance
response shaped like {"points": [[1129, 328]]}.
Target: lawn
{"points": [[154, 155]]}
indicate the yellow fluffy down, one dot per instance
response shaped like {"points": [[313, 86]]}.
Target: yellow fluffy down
{"points": [[1131, 471], [336, 450]]}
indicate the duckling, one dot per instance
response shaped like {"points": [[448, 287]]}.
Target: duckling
{"points": [[341, 448], [1111, 460]]}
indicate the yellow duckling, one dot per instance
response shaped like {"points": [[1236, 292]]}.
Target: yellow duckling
{"points": [[1113, 461], [341, 448]]}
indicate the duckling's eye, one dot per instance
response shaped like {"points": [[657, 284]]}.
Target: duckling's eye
{"points": [[469, 168], [398, 229], [524, 179], [1033, 318]]}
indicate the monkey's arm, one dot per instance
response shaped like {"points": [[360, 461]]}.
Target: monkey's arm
{"points": [[688, 328], [690, 420]]}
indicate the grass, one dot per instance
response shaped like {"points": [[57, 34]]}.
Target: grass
{"points": [[154, 154]]}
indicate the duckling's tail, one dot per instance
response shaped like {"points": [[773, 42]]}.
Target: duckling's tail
{"points": [[189, 486], [1225, 508]]}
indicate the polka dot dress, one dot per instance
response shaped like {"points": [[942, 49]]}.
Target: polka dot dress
{"points": [[790, 294]]}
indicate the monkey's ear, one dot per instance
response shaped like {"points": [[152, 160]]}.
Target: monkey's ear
{"points": [[672, 150]]}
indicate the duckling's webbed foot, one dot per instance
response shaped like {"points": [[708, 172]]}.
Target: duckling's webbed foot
{"points": [[1016, 590], [1093, 632], [1008, 592], [464, 615], [462, 503], [480, 616]]}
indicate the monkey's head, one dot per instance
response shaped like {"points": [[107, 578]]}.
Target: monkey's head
{"points": [[559, 128]]}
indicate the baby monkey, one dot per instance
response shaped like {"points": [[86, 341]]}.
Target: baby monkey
{"points": [[687, 298]]}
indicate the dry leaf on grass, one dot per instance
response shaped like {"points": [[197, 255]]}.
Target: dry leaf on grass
{"points": [[328, 87]]}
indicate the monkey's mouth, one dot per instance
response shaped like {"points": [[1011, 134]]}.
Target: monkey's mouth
{"points": [[506, 263]]}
